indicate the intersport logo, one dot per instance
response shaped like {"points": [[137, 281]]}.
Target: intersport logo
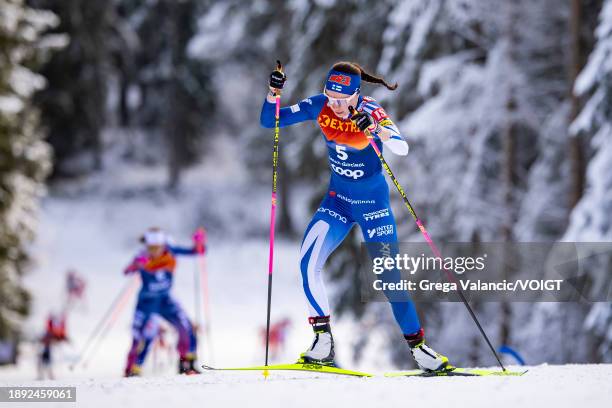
{"points": [[380, 231]]}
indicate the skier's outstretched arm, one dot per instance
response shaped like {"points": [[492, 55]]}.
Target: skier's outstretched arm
{"points": [[178, 250], [199, 245], [137, 263], [300, 112]]}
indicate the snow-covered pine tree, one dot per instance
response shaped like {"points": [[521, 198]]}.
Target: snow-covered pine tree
{"points": [[590, 220], [73, 105], [173, 100], [552, 187], [25, 159]]}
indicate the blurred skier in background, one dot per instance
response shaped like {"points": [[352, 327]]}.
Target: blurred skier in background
{"points": [[278, 337], [55, 332], [156, 265], [75, 288], [357, 194]]}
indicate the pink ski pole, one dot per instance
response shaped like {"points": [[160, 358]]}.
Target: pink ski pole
{"points": [[273, 213]]}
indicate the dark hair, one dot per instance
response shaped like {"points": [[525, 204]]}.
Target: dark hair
{"points": [[355, 68]]}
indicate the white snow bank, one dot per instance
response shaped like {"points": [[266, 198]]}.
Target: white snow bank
{"points": [[542, 386]]}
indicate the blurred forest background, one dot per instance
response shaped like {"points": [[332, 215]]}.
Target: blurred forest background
{"points": [[507, 107]]}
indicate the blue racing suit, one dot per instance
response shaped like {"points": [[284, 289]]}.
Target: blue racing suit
{"points": [[154, 299], [358, 194]]}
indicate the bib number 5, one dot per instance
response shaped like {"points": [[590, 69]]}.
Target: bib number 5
{"points": [[341, 152]]}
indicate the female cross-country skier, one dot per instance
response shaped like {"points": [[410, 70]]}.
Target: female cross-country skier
{"points": [[156, 266], [358, 194]]}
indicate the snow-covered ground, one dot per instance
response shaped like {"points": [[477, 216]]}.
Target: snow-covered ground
{"points": [[542, 386]]}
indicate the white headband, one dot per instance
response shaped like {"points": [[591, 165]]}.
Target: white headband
{"points": [[155, 238]]}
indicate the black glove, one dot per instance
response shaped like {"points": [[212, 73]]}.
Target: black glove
{"points": [[277, 79], [363, 121]]}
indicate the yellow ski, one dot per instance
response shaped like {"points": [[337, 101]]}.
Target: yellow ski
{"points": [[308, 367], [464, 372]]}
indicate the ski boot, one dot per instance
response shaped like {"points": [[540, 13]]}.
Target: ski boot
{"points": [[187, 364], [426, 358], [133, 371], [322, 349]]}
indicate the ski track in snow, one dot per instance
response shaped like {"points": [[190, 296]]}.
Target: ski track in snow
{"points": [[542, 386]]}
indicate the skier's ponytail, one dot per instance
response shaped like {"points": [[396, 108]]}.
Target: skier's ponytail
{"points": [[355, 68]]}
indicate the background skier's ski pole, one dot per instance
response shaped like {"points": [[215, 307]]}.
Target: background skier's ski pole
{"points": [[201, 291], [204, 287], [273, 213], [111, 321], [114, 305], [433, 246], [197, 301]]}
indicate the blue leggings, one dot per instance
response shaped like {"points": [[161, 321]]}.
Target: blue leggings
{"points": [[144, 328], [346, 203]]}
